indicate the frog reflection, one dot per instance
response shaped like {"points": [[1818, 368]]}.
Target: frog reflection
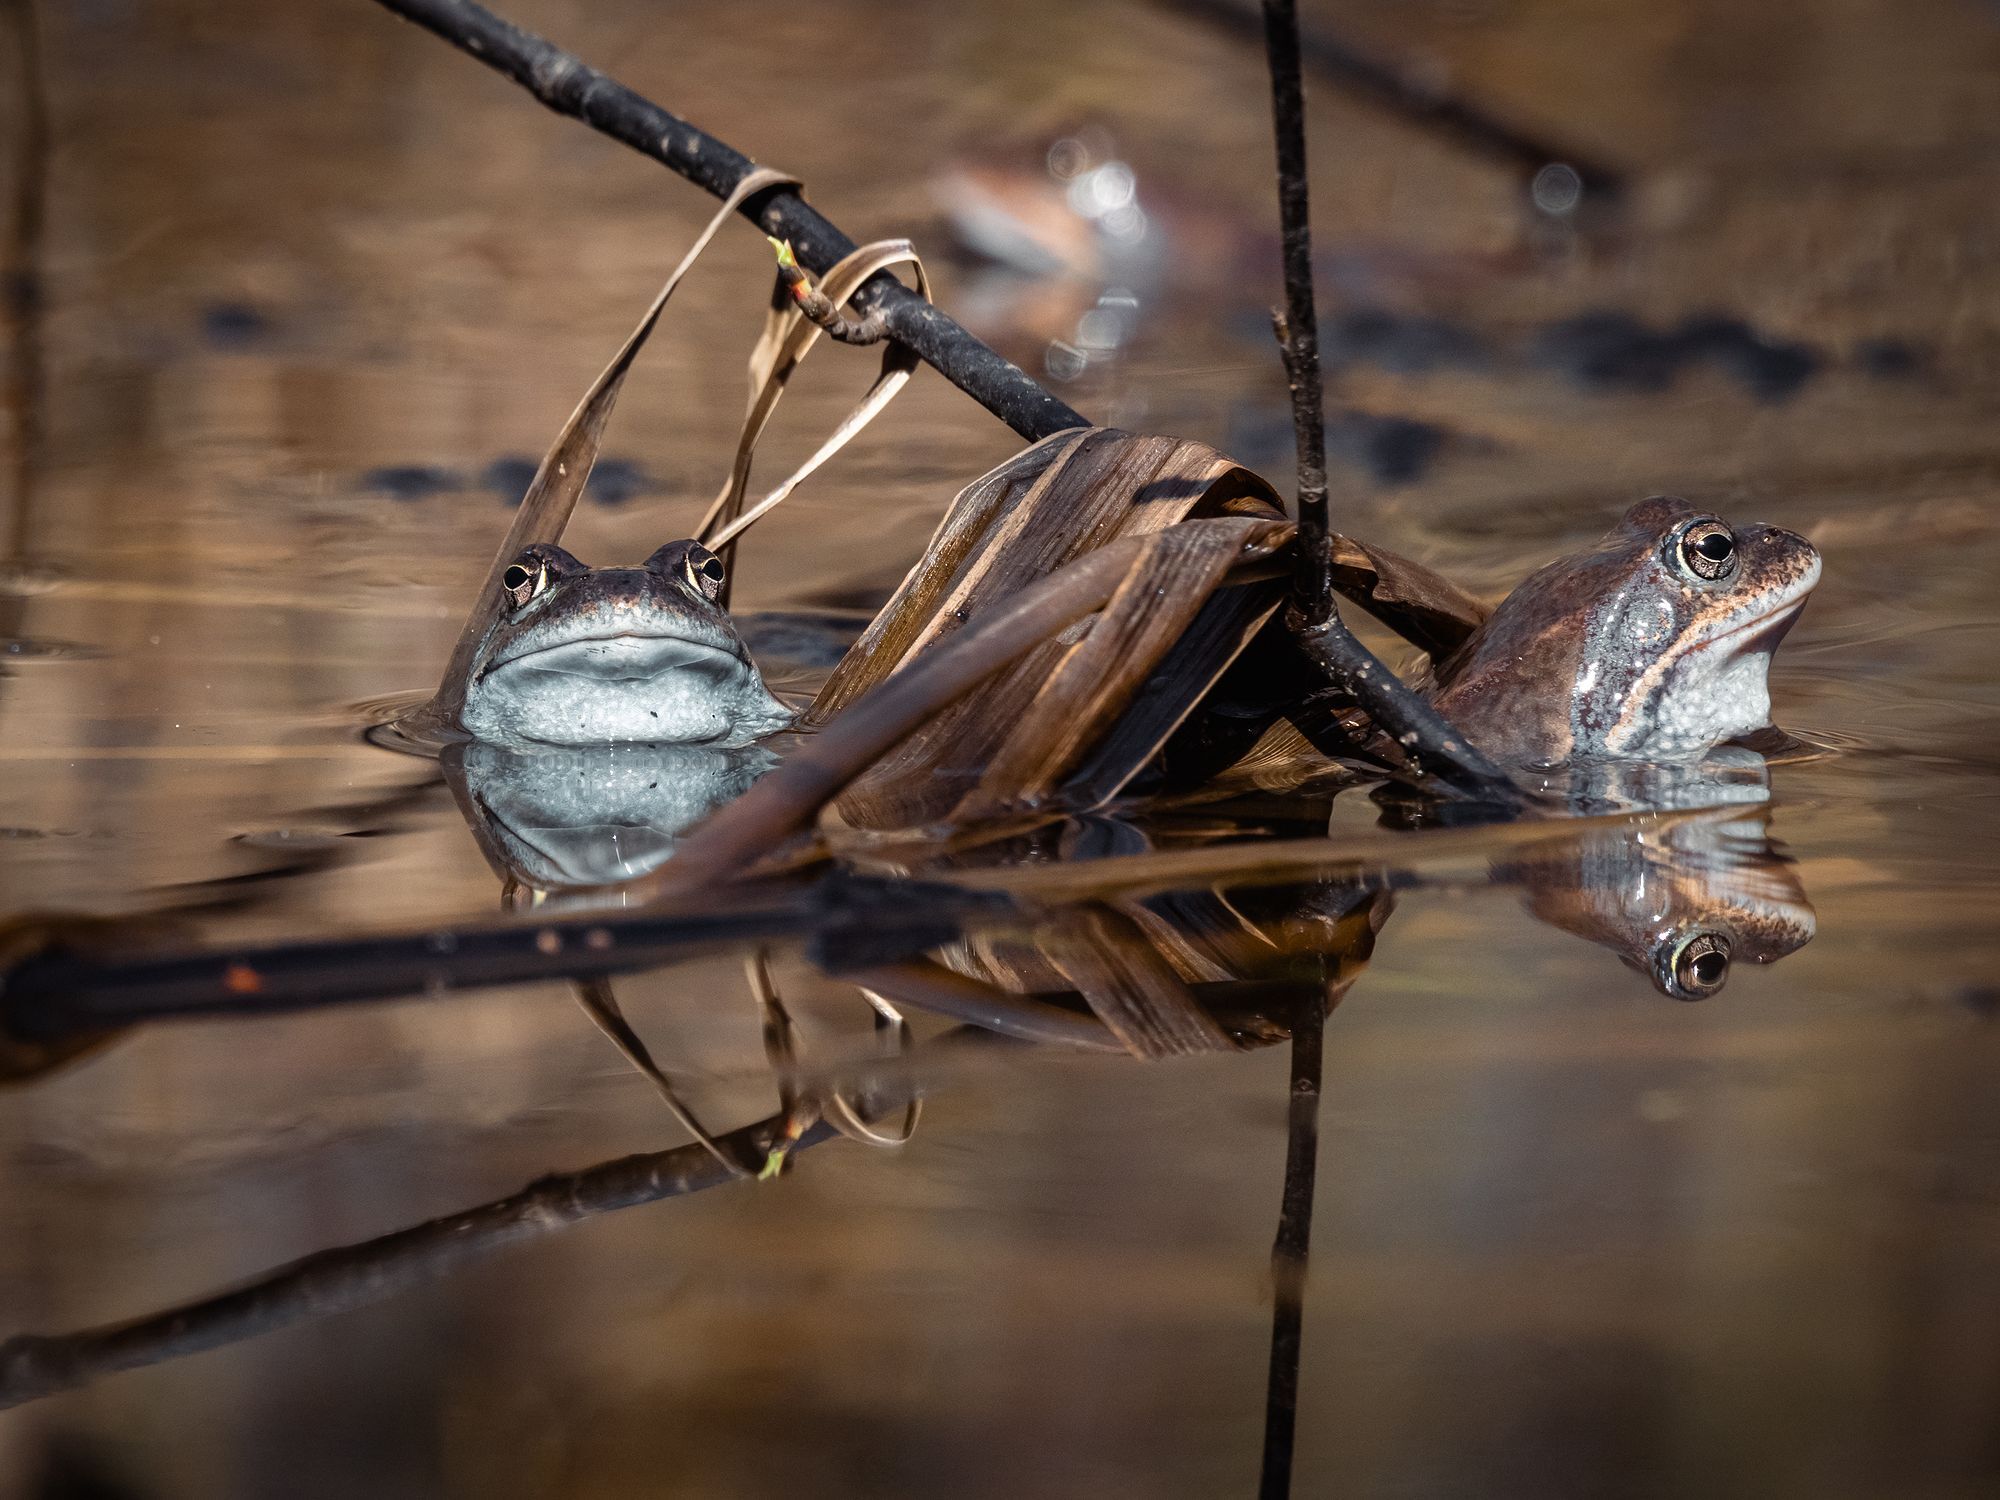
{"points": [[1682, 898], [600, 656], [592, 816]]}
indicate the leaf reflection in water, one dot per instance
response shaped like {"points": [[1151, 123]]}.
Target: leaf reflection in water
{"points": [[1132, 951]]}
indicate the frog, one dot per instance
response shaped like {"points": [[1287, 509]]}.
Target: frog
{"points": [[1653, 645], [583, 656]]}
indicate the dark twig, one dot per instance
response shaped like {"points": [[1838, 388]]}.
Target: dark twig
{"points": [[1429, 742], [1423, 101], [82, 981], [333, 1281], [1432, 746], [819, 308], [1298, 326], [1290, 1249], [571, 87]]}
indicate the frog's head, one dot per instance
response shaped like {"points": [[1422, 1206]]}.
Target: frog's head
{"points": [[1653, 645], [595, 656]]}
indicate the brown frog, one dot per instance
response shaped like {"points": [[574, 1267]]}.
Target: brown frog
{"points": [[1653, 645]]}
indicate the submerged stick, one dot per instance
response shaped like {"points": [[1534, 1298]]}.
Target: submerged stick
{"points": [[1289, 1251], [72, 983], [572, 87], [332, 1281]]}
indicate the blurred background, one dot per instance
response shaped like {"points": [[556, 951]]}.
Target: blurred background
{"points": [[299, 296]]}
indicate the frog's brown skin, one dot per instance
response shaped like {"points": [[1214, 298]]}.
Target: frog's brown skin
{"points": [[1625, 651], [600, 656]]}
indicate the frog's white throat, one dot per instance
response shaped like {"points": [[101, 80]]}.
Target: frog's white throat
{"points": [[622, 688]]}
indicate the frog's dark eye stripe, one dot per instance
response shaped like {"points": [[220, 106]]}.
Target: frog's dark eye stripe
{"points": [[1701, 965], [1708, 550]]}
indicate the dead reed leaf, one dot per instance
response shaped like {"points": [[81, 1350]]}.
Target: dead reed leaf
{"points": [[788, 336], [1080, 714], [1418, 603]]}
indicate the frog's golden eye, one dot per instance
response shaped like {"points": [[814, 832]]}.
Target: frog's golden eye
{"points": [[705, 572], [524, 580], [1701, 965], [1708, 550]]}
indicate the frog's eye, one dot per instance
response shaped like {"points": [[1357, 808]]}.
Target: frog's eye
{"points": [[705, 572], [1708, 550], [1701, 965], [524, 580]]}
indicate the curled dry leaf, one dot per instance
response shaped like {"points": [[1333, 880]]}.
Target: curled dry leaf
{"points": [[1420, 604], [1073, 720]]}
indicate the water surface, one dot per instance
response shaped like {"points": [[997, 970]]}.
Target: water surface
{"points": [[314, 287]]}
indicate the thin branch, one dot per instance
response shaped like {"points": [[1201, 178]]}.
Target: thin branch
{"points": [[1429, 741], [1432, 746], [820, 309], [1298, 325], [332, 1281], [83, 979], [1423, 101], [1291, 1248], [572, 87]]}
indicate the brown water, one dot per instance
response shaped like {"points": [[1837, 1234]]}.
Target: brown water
{"points": [[1571, 1237]]}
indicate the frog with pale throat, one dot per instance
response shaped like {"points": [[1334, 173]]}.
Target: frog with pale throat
{"points": [[1653, 645], [599, 656]]}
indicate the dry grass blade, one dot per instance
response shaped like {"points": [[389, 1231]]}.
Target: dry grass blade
{"points": [[851, 1121], [928, 985], [804, 1103], [787, 338], [892, 635], [552, 497], [1096, 679], [601, 1005]]}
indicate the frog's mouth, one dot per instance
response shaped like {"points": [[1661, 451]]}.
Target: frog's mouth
{"points": [[1761, 634], [624, 657]]}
